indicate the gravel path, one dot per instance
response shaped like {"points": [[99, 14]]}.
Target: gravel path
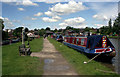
{"points": [[54, 62]]}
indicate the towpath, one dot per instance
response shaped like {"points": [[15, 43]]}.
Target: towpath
{"points": [[54, 62]]}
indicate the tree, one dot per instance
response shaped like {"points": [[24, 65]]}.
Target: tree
{"points": [[116, 25], [26, 29], [1, 24], [110, 26], [41, 32], [35, 29], [68, 28], [4, 35], [87, 29], [17, 32], [55, 30], [48, 28]]}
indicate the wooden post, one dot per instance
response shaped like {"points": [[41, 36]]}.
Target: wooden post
{"points": [[23, 35]]}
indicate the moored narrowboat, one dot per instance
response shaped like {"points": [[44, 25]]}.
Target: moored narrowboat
{"points": [[92, 45]]}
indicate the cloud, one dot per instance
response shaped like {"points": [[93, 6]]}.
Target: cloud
{"points": [[99, 25], [47, 19], [49, 13], [67, 8], [100, 17], [30, 18], [54, 1], [8, 23], [104, 11], [38, 14], [26, 3], [56, 17], [1, 18], [52, 19], [21, 9], [50, 1], [77, 22]]}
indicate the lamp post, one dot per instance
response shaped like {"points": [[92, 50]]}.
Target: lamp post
{"points": [[23, 31]]}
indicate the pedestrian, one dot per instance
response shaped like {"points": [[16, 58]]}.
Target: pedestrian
{"points": [[44, 36]]}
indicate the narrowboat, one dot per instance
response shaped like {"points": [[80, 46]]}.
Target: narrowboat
{"points": [[59, 38], [93, 45]]}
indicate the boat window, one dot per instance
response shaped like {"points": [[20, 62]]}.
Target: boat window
{"points": [[77, 41], [82, 41], [73, 40]]}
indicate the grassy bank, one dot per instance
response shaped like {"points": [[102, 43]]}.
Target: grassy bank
{"points": [[13, 64], [36, 45], [76, 59]]}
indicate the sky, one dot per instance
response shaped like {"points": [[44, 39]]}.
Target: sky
{"points": [[57, 13]]}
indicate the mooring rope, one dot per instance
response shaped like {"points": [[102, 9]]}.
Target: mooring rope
{"points": [[96, 56]]}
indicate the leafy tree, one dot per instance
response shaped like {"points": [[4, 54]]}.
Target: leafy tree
{"points": [[87, 29], [48, 28], [35, 29], [55, 30], [17, 32], [41, 32], [4, 35], [68, 28], [104, 30], [26, 29], [116, 25], [110, 26], [76, 30], [1, 24]]}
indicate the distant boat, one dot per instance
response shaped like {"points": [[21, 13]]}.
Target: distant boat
{"points": [[91, 45]]}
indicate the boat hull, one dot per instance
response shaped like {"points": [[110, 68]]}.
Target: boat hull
{"points": [[91, 51]]}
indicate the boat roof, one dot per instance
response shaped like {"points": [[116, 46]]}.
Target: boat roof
{"points": [[95, 39]]}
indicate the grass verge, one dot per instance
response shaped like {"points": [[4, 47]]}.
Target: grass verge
{"points": [[13, 64], [36, 45], [76, 59]]}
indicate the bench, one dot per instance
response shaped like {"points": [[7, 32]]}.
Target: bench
{"points": [[23, 50]]}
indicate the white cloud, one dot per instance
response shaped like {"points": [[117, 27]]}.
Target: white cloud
{"points": [[33, 18], [50, 1], [74, 22], [67, 8], [30, 18], [21, 9], [1, 18], [54, 1], [38, 14], [52, 19], [26, 3], [8, 23], [63, 24], [47, 19], [105, 11], [56, 17], [49, 13], [100, 17], [99, 25]]}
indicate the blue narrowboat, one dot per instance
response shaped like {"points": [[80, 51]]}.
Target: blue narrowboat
{"points": [[93, 45]]}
